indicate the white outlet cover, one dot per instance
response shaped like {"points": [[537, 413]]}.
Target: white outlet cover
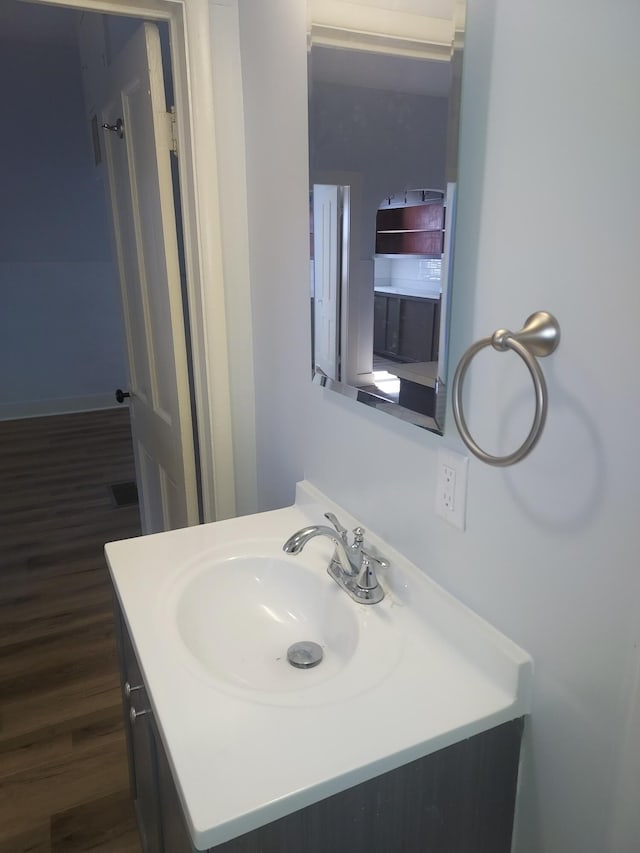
{"points": [[451, 498]]}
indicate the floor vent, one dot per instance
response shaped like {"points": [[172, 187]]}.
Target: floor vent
{"points": [[124, 494]]}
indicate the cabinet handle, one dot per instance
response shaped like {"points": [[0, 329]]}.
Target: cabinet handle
{"points": [[128, 689], [133, 714]]}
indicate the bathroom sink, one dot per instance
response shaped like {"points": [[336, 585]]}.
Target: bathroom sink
{"points": [[212, 611], [238, 617]]}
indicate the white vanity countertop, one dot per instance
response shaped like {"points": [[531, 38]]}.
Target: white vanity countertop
{"points": [[420, 372], [418, 290], [241, 760]]}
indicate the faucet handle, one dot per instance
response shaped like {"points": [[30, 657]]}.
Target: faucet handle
{"points": [[380, 562], [375, 560], [341, 530], [367, 580]]}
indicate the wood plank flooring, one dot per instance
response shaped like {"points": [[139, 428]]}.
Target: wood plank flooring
{"points": [[64, 783]]}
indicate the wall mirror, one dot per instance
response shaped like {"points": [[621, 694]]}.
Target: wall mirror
{"points": [[384, 101]]}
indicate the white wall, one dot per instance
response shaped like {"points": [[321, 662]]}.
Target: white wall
{"points": [[61, 341], [549, 173], [275, 102]]}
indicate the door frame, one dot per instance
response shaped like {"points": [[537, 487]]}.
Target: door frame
{"points": [[189, 24]]}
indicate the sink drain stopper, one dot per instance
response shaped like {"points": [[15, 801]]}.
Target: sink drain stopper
{"points": [[305, 654]]}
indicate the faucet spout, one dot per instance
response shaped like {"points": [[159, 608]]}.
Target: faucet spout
{"points": [[296, 543]]}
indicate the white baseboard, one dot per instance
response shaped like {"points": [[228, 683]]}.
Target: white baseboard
{"points": [[57, 406]]}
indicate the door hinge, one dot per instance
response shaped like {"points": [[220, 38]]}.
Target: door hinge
{"points": [[172, 133]]}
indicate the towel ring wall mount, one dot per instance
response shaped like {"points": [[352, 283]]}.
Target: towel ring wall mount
{"points": [[538, 338]]}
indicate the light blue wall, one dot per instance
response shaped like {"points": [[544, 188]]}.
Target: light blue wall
{"points": [[549, 219], [61, 339]]}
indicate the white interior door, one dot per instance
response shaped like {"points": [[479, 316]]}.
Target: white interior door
{"points": [[326, 277], [141, 196]]}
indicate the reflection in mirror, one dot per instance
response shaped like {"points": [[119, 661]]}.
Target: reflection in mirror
{"points": [[384, 82]]}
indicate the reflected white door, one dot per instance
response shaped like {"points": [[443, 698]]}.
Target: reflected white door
{"points": [[326, 277], [141, 197]]}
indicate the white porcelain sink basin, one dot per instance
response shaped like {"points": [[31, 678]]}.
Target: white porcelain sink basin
{"points": [[237, 616]]}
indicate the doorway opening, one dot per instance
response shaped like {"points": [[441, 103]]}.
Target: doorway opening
{"points": [[65, 343]]}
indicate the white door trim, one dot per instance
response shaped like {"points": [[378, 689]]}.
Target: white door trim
{"points": [[190, 33]]}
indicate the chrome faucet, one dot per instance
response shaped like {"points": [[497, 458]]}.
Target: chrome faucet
{"points": [[351, 567]]}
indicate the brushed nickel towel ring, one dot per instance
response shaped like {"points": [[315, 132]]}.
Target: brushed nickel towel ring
{"points": [[538, 338]]}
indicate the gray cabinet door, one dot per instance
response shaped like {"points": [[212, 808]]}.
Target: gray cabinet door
{"points": [[174, 831], [417, 319], [379, 323], [143, 760], [406, 328]]}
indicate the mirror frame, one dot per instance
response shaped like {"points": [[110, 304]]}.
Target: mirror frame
{"points": [[434, 423]]}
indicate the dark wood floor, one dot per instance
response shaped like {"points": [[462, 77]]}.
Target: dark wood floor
{"points": [[64, 782]]}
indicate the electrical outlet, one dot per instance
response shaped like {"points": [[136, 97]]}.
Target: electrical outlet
{"points": [[449, 487], [451, 491]]}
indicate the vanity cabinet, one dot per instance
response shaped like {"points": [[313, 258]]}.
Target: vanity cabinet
{"points": [[406, 328], [175, 836], [141, 743], [158, 809], [460, 798]]}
